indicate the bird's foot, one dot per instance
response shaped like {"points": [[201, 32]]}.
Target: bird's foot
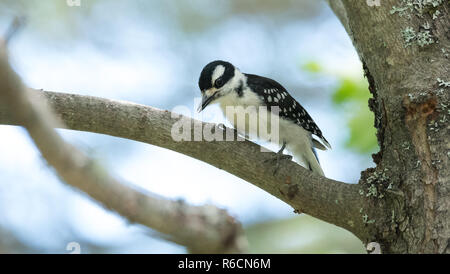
{"points": [[279, 156]]}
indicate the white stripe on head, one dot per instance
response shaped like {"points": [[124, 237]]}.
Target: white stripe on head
{"points": [[218, 71], [236, 81]]}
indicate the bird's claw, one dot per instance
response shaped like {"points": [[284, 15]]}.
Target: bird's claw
{"points": [[278, 158]]}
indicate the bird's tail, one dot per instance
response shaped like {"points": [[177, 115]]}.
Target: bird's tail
{"points": [[307, 158]]}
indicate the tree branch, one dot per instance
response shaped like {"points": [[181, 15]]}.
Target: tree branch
{"points": [[329, 200], [203, 229]]}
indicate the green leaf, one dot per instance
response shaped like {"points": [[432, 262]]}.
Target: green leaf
{"points": [[362, 132], [312, 67], [351, 90], [354, 93]]}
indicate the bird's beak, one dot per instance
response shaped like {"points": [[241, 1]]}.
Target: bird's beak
{"points": [[206, 100]]}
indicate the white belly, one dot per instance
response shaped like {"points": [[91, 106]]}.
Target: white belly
{"points": [[252, 121], [248, 119], [245, 114]]}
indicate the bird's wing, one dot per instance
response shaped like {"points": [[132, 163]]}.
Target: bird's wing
{"points": [[275, 95]]}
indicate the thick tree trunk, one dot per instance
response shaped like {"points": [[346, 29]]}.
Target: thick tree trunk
{"points": [[405, 48]]}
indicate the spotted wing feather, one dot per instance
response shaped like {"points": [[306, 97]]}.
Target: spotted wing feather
{"points": [[274, 94]]}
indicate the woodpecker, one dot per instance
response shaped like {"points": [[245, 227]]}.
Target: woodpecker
{"points": [[221, 82]]}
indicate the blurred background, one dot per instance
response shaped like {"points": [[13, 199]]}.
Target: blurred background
{"points": [[152, 52]]}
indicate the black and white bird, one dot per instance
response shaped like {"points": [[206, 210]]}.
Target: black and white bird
{"points": [[221, 82]]}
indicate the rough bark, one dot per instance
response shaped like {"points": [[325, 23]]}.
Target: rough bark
{"points": [[404, 47]]}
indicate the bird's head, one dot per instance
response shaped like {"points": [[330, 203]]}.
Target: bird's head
{"points": [[217, 79]]}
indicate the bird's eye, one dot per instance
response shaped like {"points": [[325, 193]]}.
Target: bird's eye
{"points": [[219, 82]]}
